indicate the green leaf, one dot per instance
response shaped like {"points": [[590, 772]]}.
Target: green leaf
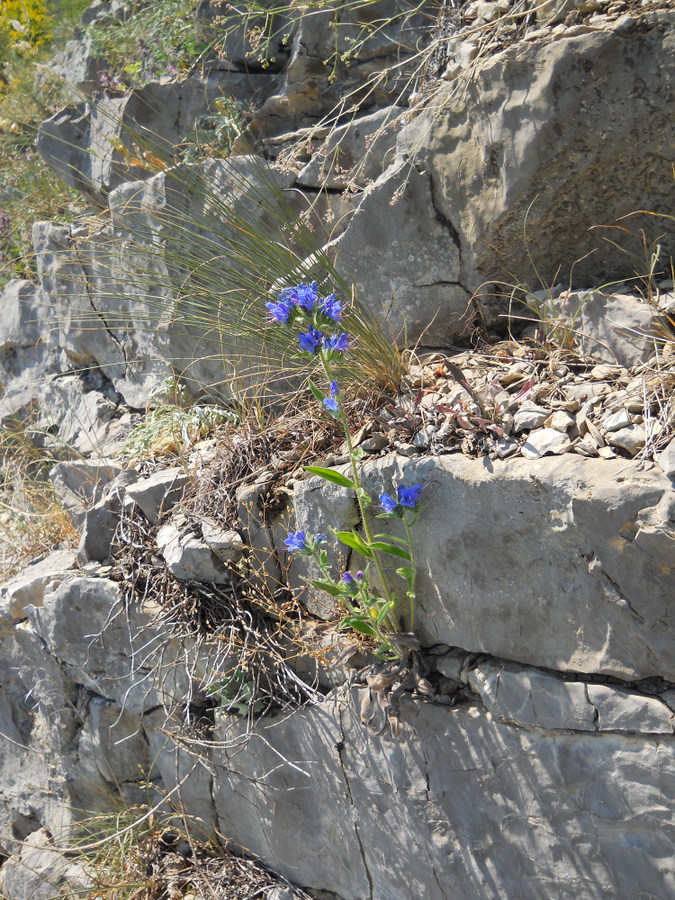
{"points": [[328, 587], [314, 389], [384, 612], [406, 573], [363, 495], [353, 540], [362, 627], [331, 475], [390, 537], [358, 453], [386, 547]]}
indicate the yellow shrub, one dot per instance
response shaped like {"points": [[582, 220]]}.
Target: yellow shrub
{"points": [[25, 21]]}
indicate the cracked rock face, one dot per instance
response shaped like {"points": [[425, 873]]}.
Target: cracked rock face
{"points": [[405, 260], [458, 807], [565, 563], [562, 135]]}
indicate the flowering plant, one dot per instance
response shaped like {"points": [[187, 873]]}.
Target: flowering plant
{"points": [[372, 609]]}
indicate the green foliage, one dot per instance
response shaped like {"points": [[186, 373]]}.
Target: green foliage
{"points": [[32, 519], [28, 190], [172, 428], [236, 694], [215, 134], [151, 38]]}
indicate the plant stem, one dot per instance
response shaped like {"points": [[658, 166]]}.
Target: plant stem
{"points": [[413, 566], [392, 617]]}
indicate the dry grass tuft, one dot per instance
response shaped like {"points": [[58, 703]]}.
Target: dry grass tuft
{"points": [[32, 520]]}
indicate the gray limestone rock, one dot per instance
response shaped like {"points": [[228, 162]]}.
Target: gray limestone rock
{"points": [[456, 807], [25, 357], [188, 557], [529, 416], [160, 492], [622, 710], [405, 261], [613, 328], [225, 543], [356, 153], [527, 696], [80, 483], [537, 144], [29, 586], [530, 697], [563, 562], [543, 441], [666, 459], [41, 872]]}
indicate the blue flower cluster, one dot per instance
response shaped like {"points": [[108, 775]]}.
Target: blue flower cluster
{"points": [[299, 542], [405, 496], [302, 304]]}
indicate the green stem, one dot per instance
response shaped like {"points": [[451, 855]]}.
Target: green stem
{"points": [[413, 566], [393, 618]]}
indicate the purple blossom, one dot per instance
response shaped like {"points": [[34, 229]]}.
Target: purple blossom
{"points": [[332, 308], [347, 578], [311, 340], [405, 496], [336, 343], [331, 402], [304, 295], [408, 496], [280, 310], [388, 504], [296, 541]]}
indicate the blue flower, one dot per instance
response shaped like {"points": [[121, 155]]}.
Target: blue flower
{"points": [[408, 496], [332, 308], [296, 541], [280, 310], [304, 295], [336, 343], [311, 340], [388, 505], [405, 496], [331, 403], [347, 578]]}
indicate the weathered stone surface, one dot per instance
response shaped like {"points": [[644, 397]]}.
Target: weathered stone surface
{"points": [[405, 260], [25, 359], [666, 459], [630, 439], [78, 406], [187, 775], [527, 696], [80, 483], [530, 697], [41, 872], [305, 95], [354, 153], [188, 557], [226, 544], [91, 145], [612, 328], [622, 710], [28, 587], [456, 807], [530, 140], [110, 650], [564, 563], [529, 416], [158, 493], [546, 440]]}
